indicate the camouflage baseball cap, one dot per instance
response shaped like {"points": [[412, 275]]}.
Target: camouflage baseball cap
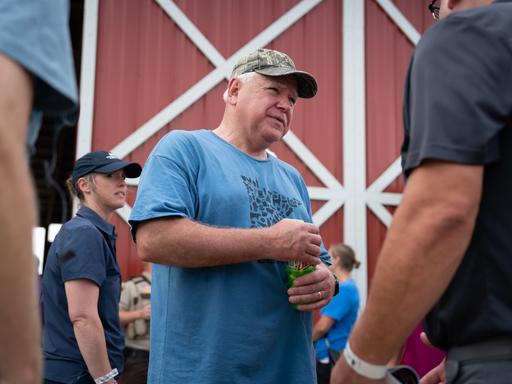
{"points": [[274, 63]]}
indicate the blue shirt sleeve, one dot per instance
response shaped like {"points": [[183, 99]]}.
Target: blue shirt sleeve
{"points": [[82, 255], [324, 255], [167, 185]]}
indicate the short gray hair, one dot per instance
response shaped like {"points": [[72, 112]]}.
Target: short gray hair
{"points": [[244, 78]]}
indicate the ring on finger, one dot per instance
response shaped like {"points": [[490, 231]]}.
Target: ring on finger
{"points": [[320, 295]]}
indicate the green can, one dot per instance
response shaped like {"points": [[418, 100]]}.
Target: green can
{"points": [[296, 269]]}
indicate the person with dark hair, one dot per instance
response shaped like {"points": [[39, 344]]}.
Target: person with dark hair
{"points": [[447, 257], [36, 77], [331, 331], [82, 338]]}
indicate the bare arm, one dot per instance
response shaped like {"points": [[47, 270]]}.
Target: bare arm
{"points": [[185, 243], [20, 354], [126, 317], [423, 248], [82, 296], [322, 326]]}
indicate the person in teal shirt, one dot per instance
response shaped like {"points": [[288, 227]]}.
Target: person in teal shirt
{"points": [[331, 331]]}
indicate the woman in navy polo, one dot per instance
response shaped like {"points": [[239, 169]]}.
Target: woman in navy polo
{"points": [[82, 337]]}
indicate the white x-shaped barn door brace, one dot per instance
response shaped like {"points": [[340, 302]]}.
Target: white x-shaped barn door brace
{"points": [[354, 194]]}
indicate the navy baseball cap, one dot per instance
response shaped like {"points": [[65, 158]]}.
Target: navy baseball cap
{"points": [[103, 162]]}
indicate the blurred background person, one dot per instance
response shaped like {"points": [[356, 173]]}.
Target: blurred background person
{"points": [[36, 76], [82, 337], [134, 314], [331, 331]]}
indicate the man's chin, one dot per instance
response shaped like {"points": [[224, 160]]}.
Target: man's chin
{"points": [[271, 139], [276, 134]]}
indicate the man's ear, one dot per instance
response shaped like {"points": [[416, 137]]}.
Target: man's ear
{"points": [[450, 4], [466, 4], [233, 90]]}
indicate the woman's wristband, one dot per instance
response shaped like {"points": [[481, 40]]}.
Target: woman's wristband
{"points": [[107, 377], [371, 371]]}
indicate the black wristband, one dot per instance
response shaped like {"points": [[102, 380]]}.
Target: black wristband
{"points": [[336, 284]]}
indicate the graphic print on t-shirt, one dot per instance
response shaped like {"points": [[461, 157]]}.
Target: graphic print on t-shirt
{"points": [[267, 207]]}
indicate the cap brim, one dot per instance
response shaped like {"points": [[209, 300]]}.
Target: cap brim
{"points": [[306, 83], [131, 170]]}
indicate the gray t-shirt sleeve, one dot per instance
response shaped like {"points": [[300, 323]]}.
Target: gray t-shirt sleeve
{"points": [[456, 100]]}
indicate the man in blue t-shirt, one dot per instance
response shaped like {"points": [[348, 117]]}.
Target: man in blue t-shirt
{"points": [[221, 218], [449, 250]]}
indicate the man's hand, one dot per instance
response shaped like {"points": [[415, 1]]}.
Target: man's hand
{"points": [[295, 240], [435, 375], [315, 289], [343, 374]]}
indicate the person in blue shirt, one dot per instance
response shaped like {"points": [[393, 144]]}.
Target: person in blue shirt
{"points": [[36, 77], [221, 218], [82, 338], [331, 331]]}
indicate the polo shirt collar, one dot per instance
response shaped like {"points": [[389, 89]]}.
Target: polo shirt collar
{"points": [[97, 220]]}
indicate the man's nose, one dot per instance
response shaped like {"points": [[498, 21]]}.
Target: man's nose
{"points": [[285, 104]]}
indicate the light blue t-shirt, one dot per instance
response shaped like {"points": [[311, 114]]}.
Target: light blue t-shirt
{"points": [[232, 323], [343, 309]]}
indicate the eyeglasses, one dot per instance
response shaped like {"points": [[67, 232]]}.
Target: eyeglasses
{"points": [[434, 10]]}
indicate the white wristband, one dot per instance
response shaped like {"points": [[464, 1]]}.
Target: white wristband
{"points": [[107, 377], [371, 371]]}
